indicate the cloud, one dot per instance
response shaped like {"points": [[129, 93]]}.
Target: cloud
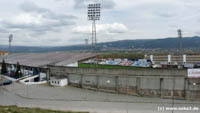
{"points": [[48, 20], [157, 8], [32, 7], [105, 4], [79, 4], [3, 30], [114, 28], [38, 20]]}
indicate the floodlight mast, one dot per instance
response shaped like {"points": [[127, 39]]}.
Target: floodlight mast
{"points": [[93, 15], [180, 40], [94, 33], [10, 38]]}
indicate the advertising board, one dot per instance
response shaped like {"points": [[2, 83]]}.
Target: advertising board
{"points": [[193, 73]]}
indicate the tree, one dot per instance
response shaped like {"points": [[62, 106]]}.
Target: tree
{"points": [[18, 73], [3, 67]]}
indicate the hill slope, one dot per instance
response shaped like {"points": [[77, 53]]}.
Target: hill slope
{"points": [[167, 43]]}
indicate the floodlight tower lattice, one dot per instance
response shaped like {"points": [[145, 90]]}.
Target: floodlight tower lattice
{"points": [[94, 13]]}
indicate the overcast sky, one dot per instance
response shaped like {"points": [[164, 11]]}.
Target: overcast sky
{"points": [[64, 22]]}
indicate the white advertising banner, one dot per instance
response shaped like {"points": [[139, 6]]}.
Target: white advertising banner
{"points": [[193, 73]]}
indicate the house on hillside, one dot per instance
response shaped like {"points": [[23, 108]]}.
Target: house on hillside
{"points": [[2, 53]]}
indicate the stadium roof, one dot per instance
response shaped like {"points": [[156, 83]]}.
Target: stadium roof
{"points": [[44, 59]]}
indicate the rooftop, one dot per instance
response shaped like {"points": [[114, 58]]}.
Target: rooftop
{"points": [[3, 52], [44, 59]]}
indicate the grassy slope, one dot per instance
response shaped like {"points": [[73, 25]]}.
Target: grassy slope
{"points": [[15, 109]]}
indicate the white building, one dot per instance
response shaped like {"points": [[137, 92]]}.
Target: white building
{"points": [[58, 82]]}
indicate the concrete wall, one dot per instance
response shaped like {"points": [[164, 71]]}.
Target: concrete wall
{"points": [[89, 81], [118, 72], [164, 83]]}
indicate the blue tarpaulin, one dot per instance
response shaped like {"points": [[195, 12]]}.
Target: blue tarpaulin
{"points": [[35, 72]]}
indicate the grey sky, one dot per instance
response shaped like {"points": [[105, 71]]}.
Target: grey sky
{"points": [[64, 22]]}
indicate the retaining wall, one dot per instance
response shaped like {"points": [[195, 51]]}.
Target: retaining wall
{"points": [[165, 83]]}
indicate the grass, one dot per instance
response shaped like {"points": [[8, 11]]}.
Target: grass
{"points": [[121, 55], [15, 109], [107, 66]]}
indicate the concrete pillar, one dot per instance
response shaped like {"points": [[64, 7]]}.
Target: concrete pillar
{"points": [[151, 58], [97, 81], [169, 59], [81, 81], [185, 86], [138, 85], [184, 59], [117, 84], [161, 82], [127, 85]]}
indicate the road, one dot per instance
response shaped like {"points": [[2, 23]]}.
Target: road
{"points": [[75, 99]]}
